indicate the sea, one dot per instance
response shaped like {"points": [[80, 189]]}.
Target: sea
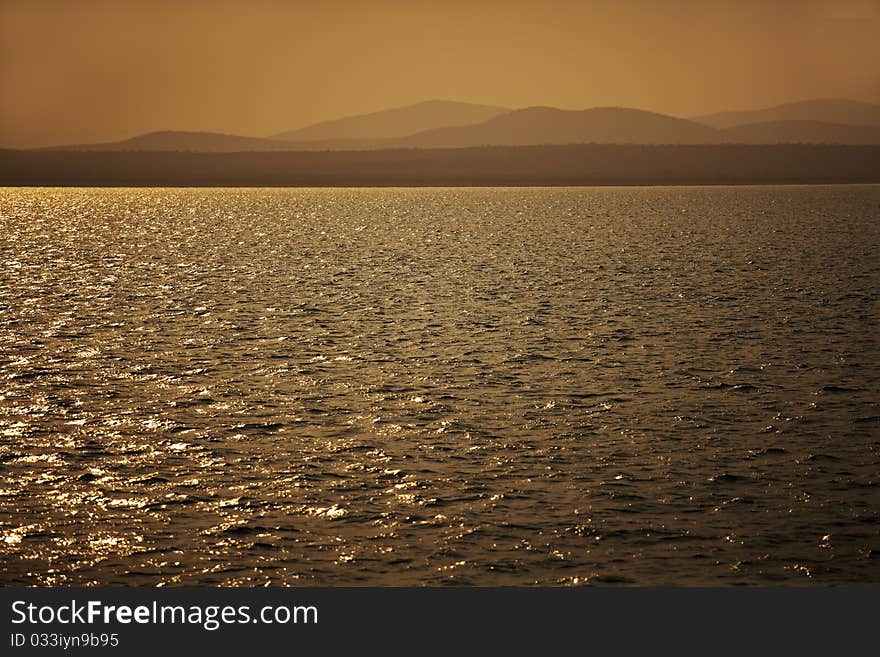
{"points": [[630, 386]]}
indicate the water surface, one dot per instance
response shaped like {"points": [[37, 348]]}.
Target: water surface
{"points": [[428, 386]]}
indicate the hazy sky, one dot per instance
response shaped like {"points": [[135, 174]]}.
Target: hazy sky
{"points": [[95, 70]]}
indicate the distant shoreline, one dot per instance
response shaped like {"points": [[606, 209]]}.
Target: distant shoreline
{"points": [[487, 166], [440, 185]]}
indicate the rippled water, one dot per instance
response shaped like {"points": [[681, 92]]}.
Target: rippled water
{"points": [[424, 386]]}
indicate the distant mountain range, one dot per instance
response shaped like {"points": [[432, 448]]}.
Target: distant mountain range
{"points": [[397, 122], [829, 110], [547, 125], [179, 140], [447, 124]]}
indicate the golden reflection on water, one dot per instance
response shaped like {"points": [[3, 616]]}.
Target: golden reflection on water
{"points": [[557, 386]]}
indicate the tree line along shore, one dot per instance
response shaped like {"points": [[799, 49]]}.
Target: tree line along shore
{"points": [[575, 164]]}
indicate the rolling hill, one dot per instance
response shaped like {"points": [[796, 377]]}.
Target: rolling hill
{"points": [[178, 140], [547, 125], [397, 122], [829, 110], [528, 127]]}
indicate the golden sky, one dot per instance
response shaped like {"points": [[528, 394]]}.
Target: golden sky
{"points": [[75, 71]]}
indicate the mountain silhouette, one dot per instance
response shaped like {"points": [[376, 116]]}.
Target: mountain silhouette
{"points": [[548, 125], [828, 110], [530, 126], [397, 122], [608, 125], [179, 140], [527, 127]]}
